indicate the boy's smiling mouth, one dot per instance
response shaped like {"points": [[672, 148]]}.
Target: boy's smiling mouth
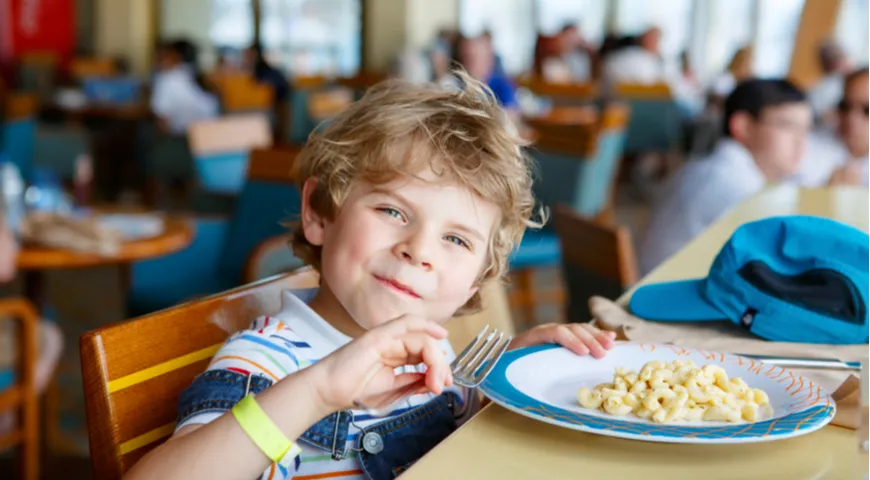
{"points": [[399, 287]]}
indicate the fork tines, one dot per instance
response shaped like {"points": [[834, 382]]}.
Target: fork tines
{"points": [[475, 362]]}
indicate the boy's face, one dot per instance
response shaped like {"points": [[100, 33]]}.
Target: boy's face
{"points": [[412, 246], [777, 139]]}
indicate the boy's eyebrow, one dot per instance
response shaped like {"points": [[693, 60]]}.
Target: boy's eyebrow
{"points": [[457, 226]]}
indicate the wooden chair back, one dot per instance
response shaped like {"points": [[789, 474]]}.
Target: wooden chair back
{"points": [[576, 131], [661, 91], [239, 92], [134, 371], [571, 92], [20, 106], [85, 67], [598, 259], [21, 396], [232, 133]]}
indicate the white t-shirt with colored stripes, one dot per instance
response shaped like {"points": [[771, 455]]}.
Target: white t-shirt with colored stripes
{"points": [[293, 339]]}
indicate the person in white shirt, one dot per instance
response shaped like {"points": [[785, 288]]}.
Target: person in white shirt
{"points": [[765, 130], [177, 98], [827, 92], [640, 64]]}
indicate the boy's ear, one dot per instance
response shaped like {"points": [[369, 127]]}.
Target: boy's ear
{"points": [[740, 125], [313, 224]]}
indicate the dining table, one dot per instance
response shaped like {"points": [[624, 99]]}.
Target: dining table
{"points": [[498, 443]]}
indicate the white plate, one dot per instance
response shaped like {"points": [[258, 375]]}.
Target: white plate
{"points": [[133, 226], [542, 383]]}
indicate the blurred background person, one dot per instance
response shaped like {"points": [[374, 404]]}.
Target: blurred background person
{"points": [[179, 96], [477, 57], [853, 130], [765, 129], [639, 63], [828, 90]]}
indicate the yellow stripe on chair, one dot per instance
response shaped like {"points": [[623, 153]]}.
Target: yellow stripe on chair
{"points": [[147, 438], [162, 368]]}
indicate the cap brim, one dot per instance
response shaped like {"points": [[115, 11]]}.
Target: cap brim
{"points": [[673, 302]]}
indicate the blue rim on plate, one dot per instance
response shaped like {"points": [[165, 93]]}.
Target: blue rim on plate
{"points": [[499, 389]]}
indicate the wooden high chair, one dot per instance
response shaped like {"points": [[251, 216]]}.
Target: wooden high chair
{"points": [[21, 396], [134, 371]]}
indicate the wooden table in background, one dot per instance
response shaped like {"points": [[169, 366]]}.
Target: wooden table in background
{"points": [[177, 235], [500, 444]]}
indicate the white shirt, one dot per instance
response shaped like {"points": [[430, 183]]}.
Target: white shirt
{"points": [[826, 94], [699, 193], [178, 99], [294, 339], [633, 65]]}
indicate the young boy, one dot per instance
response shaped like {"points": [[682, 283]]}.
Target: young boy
{"points": [[411, 199]]}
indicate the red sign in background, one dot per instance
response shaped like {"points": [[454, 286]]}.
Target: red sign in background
{"points": [[37, 26]]}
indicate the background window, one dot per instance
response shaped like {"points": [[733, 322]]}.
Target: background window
{"points": [[313, 37], [778, 22]]}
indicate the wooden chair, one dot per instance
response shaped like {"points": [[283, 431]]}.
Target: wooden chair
{"points": [[21, 395], [562, 93], [85, 67], [578, 165], [239, 92], [597, 259], [656, 124], [134, 371]]}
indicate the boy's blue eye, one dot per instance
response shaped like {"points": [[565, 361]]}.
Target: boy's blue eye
{"points": [[458, 241], [392, 212]]}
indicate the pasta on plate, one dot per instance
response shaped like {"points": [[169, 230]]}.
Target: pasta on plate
{"points": [[680, 390]]}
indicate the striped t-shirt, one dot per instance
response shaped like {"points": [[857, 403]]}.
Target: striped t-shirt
{"points": [[291, 340]]}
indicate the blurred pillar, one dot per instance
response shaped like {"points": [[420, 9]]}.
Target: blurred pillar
{"points": [[125, 28], [818, 19]]}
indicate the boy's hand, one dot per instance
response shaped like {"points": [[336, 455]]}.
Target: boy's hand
{"points": [[580, 338], [363, 369]]}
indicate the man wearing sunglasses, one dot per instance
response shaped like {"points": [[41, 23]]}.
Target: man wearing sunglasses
{"points": [[852, 129]]}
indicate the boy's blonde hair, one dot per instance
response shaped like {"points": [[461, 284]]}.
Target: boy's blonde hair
{"points": [[399, 128]]}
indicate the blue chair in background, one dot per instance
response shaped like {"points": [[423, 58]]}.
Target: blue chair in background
{"points": [[17, 141], [220, 150], [216, 259], [656, 122], [56, 150], [578, 166]]}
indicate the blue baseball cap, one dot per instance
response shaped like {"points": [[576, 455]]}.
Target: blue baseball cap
{"points": [[786, 279]]}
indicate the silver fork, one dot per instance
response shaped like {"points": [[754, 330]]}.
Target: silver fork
{"points": [[469, 368]]}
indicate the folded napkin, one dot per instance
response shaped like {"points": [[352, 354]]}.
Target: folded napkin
{"points": [[729, 338], [71, 233]]}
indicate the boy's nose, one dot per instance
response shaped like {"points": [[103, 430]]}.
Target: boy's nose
{"points": [[415, 251]]}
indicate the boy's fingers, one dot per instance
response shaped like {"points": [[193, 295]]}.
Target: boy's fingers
{"points": [[605, 338], [585, 334], [565, 336]]}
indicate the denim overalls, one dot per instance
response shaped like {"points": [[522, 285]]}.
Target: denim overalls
{"points": [[384, 449]]}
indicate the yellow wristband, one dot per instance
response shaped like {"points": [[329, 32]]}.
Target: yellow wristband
{"points": [[260, 428]]}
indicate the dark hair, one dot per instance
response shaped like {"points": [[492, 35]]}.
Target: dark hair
{"points": [[855, 74], [756, 95], [261, 66], [189, 55]]}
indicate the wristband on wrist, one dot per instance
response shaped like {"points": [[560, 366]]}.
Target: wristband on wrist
{"points": [[262, 430]]}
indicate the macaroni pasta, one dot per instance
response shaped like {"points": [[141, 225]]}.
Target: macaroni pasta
{"points": [[668, 392]]}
